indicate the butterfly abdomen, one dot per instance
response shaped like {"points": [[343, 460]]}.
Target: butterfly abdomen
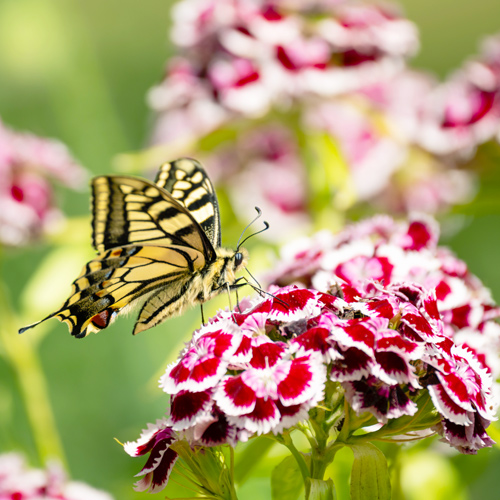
{"points": [[197, 288]]}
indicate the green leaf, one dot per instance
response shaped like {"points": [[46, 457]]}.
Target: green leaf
{"points": [[286, 480], [318, 489], [370, 475], [426, 417], [247, 459]]}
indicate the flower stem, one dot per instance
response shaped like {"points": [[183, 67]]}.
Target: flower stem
{"points": [[20, 351], [287, 441]]}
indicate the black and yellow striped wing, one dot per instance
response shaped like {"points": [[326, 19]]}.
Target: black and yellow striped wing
{"points": [[151, 239], [186, 180], [129, 210], [116, 280]]}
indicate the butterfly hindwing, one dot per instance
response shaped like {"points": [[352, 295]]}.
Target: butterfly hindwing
{"points": [[118, 278], [129, 210], [186, 180]]}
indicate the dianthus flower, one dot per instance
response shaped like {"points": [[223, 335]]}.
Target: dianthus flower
{"points": [[464, 111], [383, 250], [19, 482], [370, 354], [241, 58], [28, 165], [329, 76]]}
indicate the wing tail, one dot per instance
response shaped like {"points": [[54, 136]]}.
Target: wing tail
{"points": [[29, 327]]}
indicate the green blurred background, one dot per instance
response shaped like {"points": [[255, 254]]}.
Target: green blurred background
{"points": [[78, 70]]}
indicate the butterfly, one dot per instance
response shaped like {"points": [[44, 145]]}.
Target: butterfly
{"points": [[158, 244]]}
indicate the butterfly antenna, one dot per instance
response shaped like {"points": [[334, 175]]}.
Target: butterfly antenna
{"points": [[259, 214], [260, 291]]}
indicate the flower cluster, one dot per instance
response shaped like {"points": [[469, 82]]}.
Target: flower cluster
{"points": [[19, 482], [375, 340], [303, 71], [28, 165], [464, 112], [383, 250], [240, 58]]}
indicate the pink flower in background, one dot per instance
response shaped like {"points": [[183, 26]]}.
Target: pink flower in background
{"points": [[324, 67], [372, 156], [267, 163], [19, 482], [464, 112], [184, 105], [28, 166], [247, 58], [377, 130]]}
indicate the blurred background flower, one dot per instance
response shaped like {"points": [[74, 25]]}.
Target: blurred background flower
{"points": [[333, 77], [18, 481], [28, 166]]}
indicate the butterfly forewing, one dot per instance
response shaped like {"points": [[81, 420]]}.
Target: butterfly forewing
{"points": [[127, 210], [189, 184]]}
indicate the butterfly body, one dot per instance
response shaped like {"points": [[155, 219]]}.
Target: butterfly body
{"points": [[158, 244]]}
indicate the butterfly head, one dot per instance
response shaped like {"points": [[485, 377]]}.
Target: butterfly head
{"points": [[240, 259], [228, 263]]}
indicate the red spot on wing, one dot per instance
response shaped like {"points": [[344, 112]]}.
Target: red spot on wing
{"points": [[101, 320]]}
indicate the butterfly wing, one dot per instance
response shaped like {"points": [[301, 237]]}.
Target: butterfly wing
{"points": [[151, 239], [186, 180], [129, 210], [119, 278]]}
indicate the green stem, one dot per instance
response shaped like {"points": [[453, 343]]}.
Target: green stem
{"points": [[287, 441], [344, 432], [22, 355]]}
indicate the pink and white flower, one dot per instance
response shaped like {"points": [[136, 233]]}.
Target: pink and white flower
{"points": [[247, 58], [20, 482], [383, 250], [464, 112], [28, 167], [377, 340]]}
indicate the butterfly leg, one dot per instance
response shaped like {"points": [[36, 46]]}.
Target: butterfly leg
{"points": [[202, 315], [237, 300], [228, 286], [263, 293]]}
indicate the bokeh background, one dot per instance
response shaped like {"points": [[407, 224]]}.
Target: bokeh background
{"points": [[78, 70]]}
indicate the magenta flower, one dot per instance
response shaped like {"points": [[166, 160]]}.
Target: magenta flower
{"points": [[384, 251], [464, 112], [19, 482], [378, 342], [28, 165], [249, 57]]}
